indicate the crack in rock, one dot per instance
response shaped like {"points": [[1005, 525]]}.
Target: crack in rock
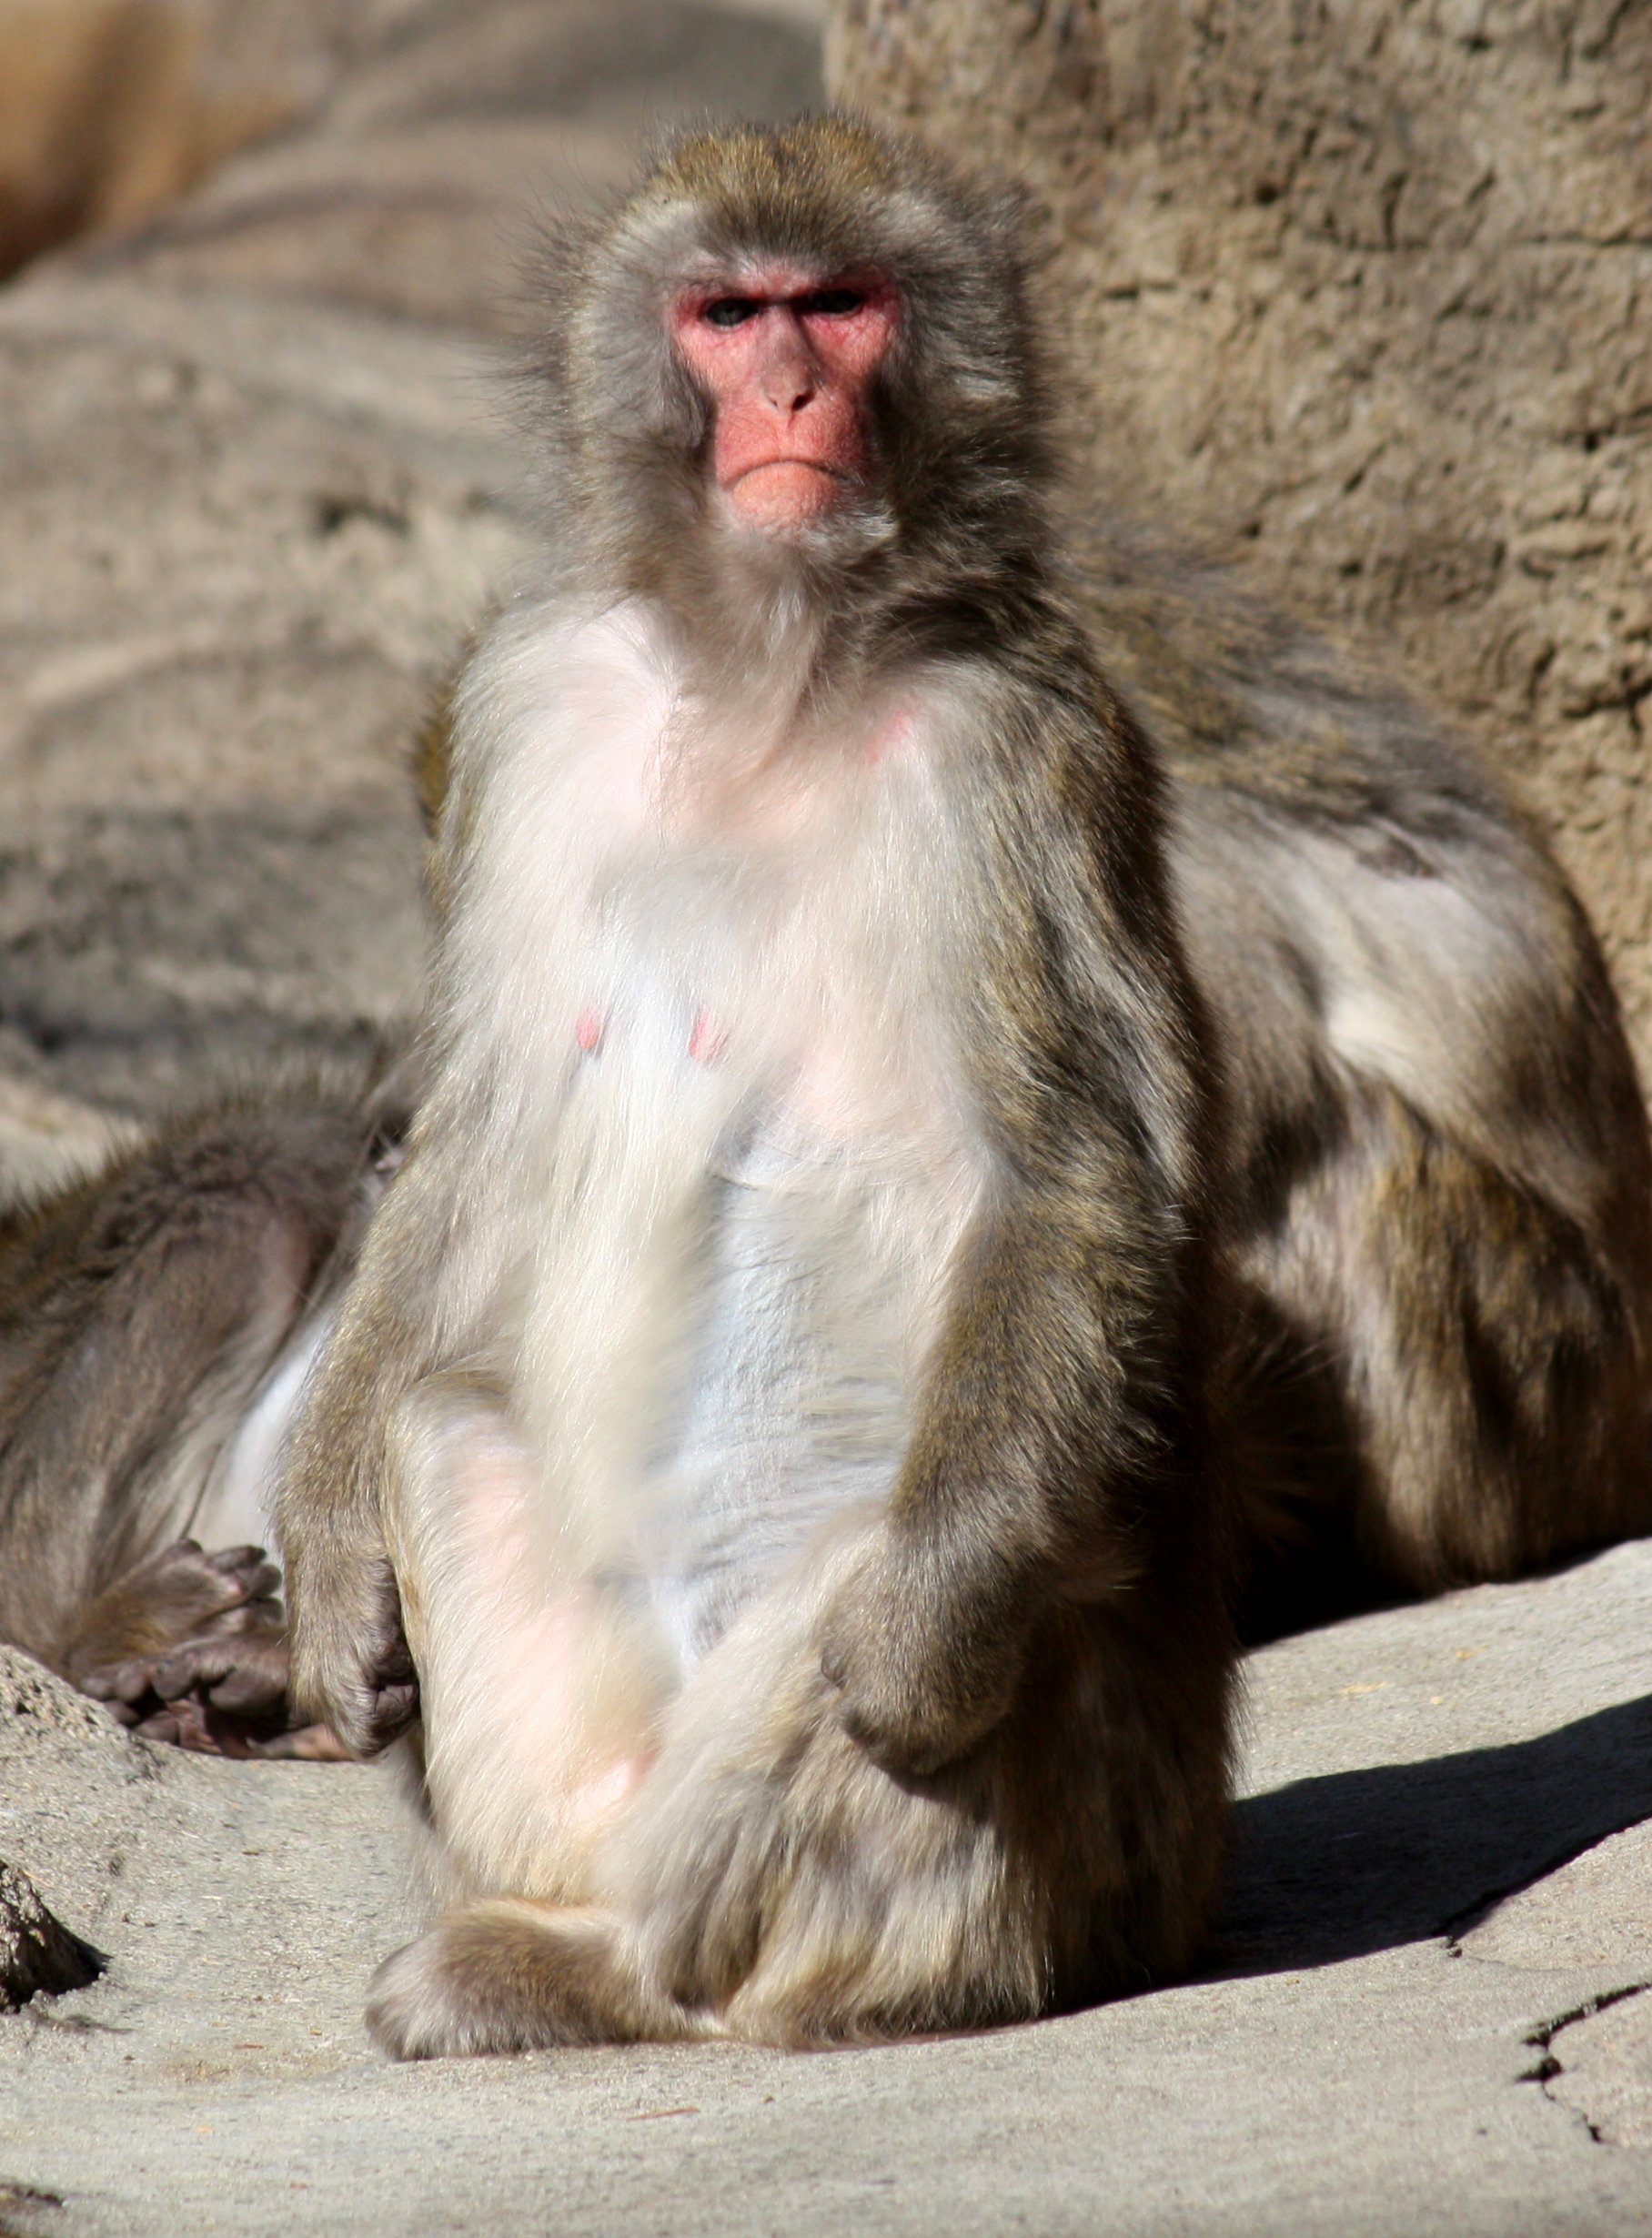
{"points": [[1544, 2069]]}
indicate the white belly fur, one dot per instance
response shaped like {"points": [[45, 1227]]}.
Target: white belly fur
{"points": [[235, 1508], [737, 1165]]}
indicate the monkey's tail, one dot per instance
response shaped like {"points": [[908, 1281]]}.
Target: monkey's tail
{"points": [[511, 1974]]}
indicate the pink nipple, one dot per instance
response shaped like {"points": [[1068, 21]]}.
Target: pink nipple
{"points": [[588, 1030]]}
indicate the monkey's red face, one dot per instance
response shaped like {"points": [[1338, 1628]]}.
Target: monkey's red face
{"points": [[787, 359]]}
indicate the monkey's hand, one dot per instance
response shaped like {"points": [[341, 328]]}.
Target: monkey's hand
{"points": [[924, 1658], [351, 1670]]}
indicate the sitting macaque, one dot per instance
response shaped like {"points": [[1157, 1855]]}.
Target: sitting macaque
{"points": [[912, 1179], [778, 1391]]}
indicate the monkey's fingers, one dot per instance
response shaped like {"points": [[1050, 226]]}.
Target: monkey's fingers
{"points": [[381, 1702], [162, 1727], [120, 1685], [394, 1709], [921, 1671], [196, 1729], [237, 1676], [125, 1713]]}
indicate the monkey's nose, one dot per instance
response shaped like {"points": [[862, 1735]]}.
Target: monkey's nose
{"points": [[789, 388]]}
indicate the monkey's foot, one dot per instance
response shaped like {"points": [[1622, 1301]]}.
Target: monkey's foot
{"points": [[512, 1975], [191, 1648]]}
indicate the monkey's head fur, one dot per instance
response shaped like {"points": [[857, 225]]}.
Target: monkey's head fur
{"points": [[951, 423]]}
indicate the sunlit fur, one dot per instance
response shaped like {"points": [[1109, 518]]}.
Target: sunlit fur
{"points": [[1440, 1209], [775, 1390]]}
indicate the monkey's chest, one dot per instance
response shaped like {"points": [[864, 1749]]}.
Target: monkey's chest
{"points": [[792, 1399], [744, 1279]]}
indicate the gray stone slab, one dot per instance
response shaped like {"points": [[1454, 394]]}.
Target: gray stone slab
{"points": [[1374, 2050]]}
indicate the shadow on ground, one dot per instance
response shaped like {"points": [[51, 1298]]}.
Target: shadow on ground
{"points": [[1358, 1862]]}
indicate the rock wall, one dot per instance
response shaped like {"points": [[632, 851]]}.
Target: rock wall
{"points": [[1359, 293]]}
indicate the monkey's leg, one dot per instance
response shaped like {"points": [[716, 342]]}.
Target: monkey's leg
{"points": [[1470, 1355], [538, 1695], [143, 1313], [770, 1881]]}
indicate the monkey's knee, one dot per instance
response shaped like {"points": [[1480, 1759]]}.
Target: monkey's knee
{"points": [[514, 1976]]}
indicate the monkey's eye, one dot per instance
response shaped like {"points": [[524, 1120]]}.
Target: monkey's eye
{"points": [[832, 302], [730, 311]]}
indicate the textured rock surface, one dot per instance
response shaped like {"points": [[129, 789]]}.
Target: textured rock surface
{"points": [[38, 1955], [1359, 294], [1428, 1885]]}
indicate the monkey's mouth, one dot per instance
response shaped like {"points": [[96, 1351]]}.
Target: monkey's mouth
{"points": [[784, 493]]}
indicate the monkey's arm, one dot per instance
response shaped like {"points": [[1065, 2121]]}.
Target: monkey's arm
{"points": [[1059, 1429], [1035, 1452], [349, 1660], [349, 1665]]}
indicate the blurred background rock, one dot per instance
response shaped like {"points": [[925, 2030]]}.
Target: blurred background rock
{"points": [[254, 483], [1358, 294]]}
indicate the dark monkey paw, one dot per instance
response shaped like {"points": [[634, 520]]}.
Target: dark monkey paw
{"points": [[190, 1648], [351, 1662], [925, 1662]]}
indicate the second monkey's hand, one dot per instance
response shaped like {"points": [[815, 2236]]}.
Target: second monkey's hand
{"points": [[350, 1664], [925, 1656]]}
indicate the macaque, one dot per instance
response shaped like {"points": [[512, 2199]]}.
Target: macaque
{"points": [[157, 1317], [1439, 1201], [778, 1394]]}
